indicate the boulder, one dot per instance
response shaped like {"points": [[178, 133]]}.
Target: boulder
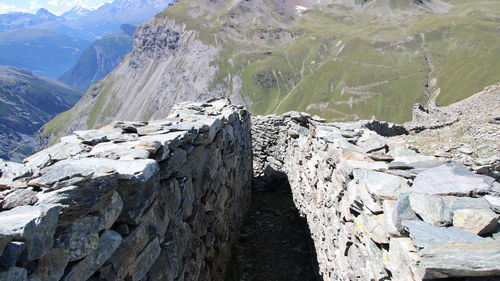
{"points": [[112, 211], [402, 211], [61, 175], [424, 234], [130, 170], [35, 225], [403, 259], [84, 269], [452, 179], [389, 206], [406, 155], [381, 185], [494, 202], [79, 238], [460, 259], [429, 207], [19, 197], [51, 266], [93, 137], [4, 241], [88, 197], [477, 221], [38, 160], [13, 170], [438, 210], [145, 260]]}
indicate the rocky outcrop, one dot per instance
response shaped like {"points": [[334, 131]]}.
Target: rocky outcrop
{"points": [[465, 131], [158, 200], [376, 208]]}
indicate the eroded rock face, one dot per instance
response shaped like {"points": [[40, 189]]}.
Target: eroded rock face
{"points": [[159, 200], [377, 209]]}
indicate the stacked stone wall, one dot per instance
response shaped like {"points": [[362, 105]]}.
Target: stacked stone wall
{"points": [[160, 200], [376, 208]]}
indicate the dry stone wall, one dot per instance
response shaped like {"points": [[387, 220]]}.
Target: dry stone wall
{"points": [[163, 200], [377, 209], [160, 200]]}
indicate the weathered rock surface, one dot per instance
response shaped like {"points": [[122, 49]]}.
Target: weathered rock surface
{"points": [[115, 203], [460, 259], [453, 179], [478, 221], [374, 205], [34, 224], [163, 200]]}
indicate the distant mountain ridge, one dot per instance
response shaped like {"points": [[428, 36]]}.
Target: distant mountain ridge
{"points": [[50, 45], [340, 59], [27, 102], [87, 24], [100, 58]]}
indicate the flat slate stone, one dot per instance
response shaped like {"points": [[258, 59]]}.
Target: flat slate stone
{"points": [[132, 170], [381, 185], [477, 221], [494, 202], [424, 234], [62, 174], [452, 179], [438, 210], [12, 170], [462, 259], [406, 156], [19, 197], [350, 165], [34, 224], [117, 152], [402, 211]]}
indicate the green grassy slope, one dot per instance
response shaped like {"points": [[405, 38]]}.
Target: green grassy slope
{"points": [[343, 62], [347, 65]]}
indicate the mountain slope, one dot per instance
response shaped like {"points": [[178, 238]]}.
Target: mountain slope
{"points": [[44, 52], [341, 59], [13, 21], [27, 102], [87, 24], [100, 59], [50, 45]]}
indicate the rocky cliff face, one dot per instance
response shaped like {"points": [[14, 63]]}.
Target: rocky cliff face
{"points": [[134, 201], [343, 60], [146, 86], [100, 59]]}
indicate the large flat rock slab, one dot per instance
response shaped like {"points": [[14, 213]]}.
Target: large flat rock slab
{"points": [[460, 259], [452, 179], [424, 234]]}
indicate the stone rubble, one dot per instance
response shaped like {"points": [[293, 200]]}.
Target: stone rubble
{"points": [[159, 200], [377, 208]]}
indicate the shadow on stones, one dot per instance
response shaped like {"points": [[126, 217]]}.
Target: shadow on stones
{"points": [[275, 242]]}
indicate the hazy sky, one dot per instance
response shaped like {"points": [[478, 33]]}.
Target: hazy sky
{"points": [[55, 6]]}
